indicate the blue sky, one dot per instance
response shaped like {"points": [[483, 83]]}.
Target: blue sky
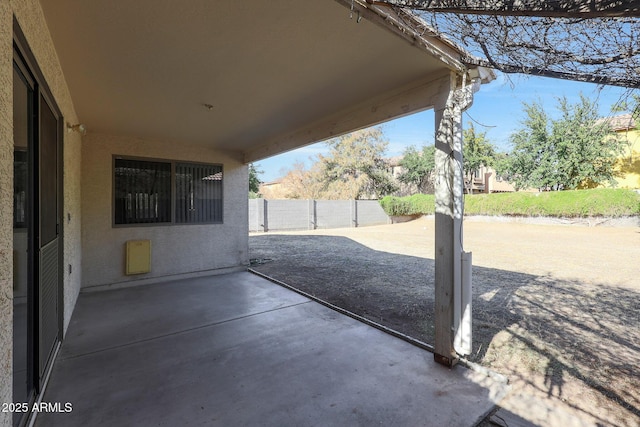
{"points": [[497, 105]]}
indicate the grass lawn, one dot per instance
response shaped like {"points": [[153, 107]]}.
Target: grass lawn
{"points": [[568, 204]]}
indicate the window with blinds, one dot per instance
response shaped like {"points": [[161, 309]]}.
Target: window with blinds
{"points": [[142, 191], [147, 192], [198, 193]]}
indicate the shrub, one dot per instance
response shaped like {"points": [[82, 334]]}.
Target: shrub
{"points": [[418, 204], [600, 202]]}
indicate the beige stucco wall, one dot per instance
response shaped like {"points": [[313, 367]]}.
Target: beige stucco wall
{"points": [[628, 166], [176, 249], [6, 209], [30, 17]]}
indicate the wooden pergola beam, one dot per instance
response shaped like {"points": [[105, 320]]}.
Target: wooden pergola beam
{"points": [[612, 79], [556, 8]]}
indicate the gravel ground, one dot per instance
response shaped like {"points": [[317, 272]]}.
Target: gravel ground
{"points": [[556, 307]]}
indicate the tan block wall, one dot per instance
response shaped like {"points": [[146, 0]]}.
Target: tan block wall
{"points": [[31, 19], [175, 249]]}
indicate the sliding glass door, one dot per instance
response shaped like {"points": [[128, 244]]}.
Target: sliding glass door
{"points": [[37, 280], [23, 233]]}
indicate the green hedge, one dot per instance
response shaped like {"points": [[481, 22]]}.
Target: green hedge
{"points": [[600, 202], [418, 204]]}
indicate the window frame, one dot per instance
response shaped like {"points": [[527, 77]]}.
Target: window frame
{"points": [[24, 224], [172, 190], [190, 165]]}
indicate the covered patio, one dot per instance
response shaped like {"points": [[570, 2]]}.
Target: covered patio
{"points": [[126, 131], [237, 349]]}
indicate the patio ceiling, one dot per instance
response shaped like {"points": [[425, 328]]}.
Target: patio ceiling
{"points": [[278, 74]]}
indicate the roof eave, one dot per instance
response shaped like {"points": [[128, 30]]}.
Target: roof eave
{"points": [[413, 29], [407, 27]]}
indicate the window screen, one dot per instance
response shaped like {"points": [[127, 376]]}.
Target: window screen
{"points": [[48, 173], [198, 193], [142, 191], [20, 186]]}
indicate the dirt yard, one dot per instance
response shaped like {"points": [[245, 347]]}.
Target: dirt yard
{"points": [[556, 307]]}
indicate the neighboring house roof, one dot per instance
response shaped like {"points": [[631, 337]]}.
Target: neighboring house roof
{"points": [[254, 77], [394, 161], [620, 122]]}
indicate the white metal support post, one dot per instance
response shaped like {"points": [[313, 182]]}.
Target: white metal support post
{"points": [[449, 184]]}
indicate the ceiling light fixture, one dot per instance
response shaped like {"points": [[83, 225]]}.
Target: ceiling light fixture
{"points": [[80, 128]]}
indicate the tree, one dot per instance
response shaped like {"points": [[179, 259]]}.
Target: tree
{"points": [[477, 151], [303, 183], [588, 146], [502, 166], [418, 167], [532, 160], [355, 166], [254, 181], [353, 169], [575, 151]]}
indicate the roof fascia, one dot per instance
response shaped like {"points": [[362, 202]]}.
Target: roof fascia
{"points": [[406, 28]]}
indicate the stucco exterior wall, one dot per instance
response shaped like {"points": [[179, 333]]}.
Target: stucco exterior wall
{"points": [[175, 249], [6, 209], [29, 15], [628, 166], [32, 22]]}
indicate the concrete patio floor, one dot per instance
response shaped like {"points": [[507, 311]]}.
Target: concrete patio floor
{"points": [[238, 350]]}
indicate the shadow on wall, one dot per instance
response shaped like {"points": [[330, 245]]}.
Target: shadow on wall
{"points": [[524, 325], [629, 171]]}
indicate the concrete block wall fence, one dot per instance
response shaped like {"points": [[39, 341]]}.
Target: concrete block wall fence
{"points": [[282, 215]]}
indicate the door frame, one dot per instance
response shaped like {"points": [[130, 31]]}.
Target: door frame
{"points": [[23, 56]]}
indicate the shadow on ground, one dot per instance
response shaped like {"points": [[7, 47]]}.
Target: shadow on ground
{"points": [[548, 332]]}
